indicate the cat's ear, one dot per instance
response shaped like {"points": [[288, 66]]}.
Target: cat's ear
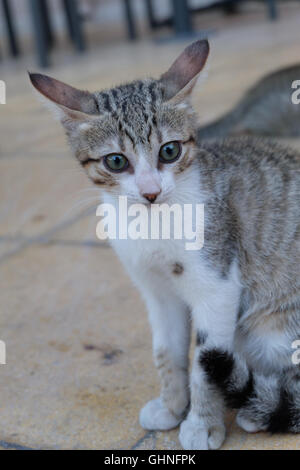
{"points": [[73, 105], [181, 77]]}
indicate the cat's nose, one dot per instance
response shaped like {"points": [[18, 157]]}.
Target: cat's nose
{"points": [[151, 197]]}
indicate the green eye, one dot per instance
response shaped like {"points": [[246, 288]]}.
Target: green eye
{"points": [[170, 152], [116, 162]]}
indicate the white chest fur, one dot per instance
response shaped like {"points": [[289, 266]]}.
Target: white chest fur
{"points": [[165, 265]]}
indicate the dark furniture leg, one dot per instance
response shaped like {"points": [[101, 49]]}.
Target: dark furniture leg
{"points": [[68, 19], [47, 22], [230, 7], [74, 24], [182, 18], [12, 38], [273, 13], [150, 14], [41, 42], [132, 34]]}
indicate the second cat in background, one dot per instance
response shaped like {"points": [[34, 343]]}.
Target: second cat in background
{"points": [[269, 108]]}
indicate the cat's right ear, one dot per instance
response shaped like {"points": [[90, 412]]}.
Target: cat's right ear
{"points": [[73, 105], [181, 77]]}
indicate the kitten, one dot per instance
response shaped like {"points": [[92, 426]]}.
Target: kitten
{"points": [[266, 109], [242, 289]]}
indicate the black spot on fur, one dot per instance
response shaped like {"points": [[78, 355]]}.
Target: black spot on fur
{"points": [[281, 419], [177, 268], [97, 106], [201, 337], [152, 93], [107, 105], [115, 94], [218, 365], [238, 398]]}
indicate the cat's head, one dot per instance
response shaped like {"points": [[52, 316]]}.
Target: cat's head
{"points": [[134, 140]]}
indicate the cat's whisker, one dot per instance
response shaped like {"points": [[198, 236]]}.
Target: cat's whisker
{"points": [[95, 190], [81, 204]]}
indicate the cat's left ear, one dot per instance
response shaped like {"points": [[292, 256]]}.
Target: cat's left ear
{"points": [[73, 105], [181, 77]]}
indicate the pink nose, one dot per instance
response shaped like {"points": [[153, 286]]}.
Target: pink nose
{"points": [[151, 197]]}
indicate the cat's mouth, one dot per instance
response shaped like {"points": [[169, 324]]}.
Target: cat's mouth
{"points": [[159, 200]]}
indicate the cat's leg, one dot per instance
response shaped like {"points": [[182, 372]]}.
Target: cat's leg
{"points": [[170, 322], [274, 405], [215, 321], [260, 403]]}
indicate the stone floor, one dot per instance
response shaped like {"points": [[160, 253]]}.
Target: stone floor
{"points": [[79, 363]]}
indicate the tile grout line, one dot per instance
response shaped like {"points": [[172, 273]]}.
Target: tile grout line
{"points": [[57, 241], [13, 446], [143, 439], [45, 237]]}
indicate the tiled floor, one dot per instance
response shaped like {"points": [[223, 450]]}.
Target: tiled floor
{"points": [[79, 363]]}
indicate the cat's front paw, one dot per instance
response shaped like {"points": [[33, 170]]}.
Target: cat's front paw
{"points": [[155, 416], [195, 434]]}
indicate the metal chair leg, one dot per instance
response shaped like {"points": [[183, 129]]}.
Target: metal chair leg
{"points": [[74, 24], [150, 14], [230, 7], [273, 11], [47, 22], [68, 19], [12, 38], [182, 17], [41, 42], [132, 34]]}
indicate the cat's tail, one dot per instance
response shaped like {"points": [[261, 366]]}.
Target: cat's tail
{"points": [[219, 128], [233, 122], [230, 374], [230, 123], [266, 109], [266, 403]]}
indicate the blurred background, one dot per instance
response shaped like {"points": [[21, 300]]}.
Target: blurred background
{"points": [[44, 25], [79, 363]]}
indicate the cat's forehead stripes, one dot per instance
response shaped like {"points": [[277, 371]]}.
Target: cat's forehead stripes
{"points": [[134, 107]]}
